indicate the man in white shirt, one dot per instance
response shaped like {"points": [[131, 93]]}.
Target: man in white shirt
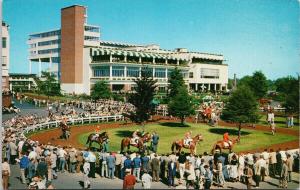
{"points": [[146, 180], [86, 171], [62, 159], [20, 145], [266, 157]]}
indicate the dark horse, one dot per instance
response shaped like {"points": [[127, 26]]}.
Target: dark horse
{"points": [[221, 145], [126, 142], [100, 139], [179, 144], [65, 130]]}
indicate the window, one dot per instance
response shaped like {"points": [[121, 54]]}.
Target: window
{"points": [[191, 75], [101, 71], [160, 73], [46, 51], [209, 73], [4, 61], [118, 71], [169, 72], [133, 71], [91, 29], [4, 42], [48, 43], [91, 38]]}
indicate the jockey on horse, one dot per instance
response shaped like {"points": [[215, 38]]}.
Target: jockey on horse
{"points": [[97, 133], [136, 136], [227, 141], [187, 138]]}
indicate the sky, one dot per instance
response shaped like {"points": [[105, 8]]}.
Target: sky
{"points": [[251, 34]]}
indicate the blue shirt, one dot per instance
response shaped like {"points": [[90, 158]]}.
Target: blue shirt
{"points": [[127, 163], [136, 162], [155, 139], [24, 162]]}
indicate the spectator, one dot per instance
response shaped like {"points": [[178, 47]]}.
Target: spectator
{"points": [[42, 168], [111, 164], [31, 169], [208, 176], [118, 164], [86, 171], [248, 173], [24, 162], [62, 158], [73, 160], [257, 173], [5, 173], [181, 160], [283, 179], [129, 180], [190, 174], [53, 158], [13, 152], [137, 163], [172, 169], [155, 139], [279, 162], [145, 163], [92, 160], [103, 160], [273, 163], [289, 163], [146, 180], [219, 174], [80, 160], [155, 168]]}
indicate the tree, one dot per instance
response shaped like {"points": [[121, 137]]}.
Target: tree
{"points": [[100, 90], [288, 89], [142, 97], [259, 84], [176, 81], [48, 85], [181, 104], [241, 107]]}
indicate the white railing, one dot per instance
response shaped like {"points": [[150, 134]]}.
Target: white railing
{"points": [[72, 121]]}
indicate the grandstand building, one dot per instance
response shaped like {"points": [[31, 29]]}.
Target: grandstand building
{"points": [[78, 57], [5, 56]]}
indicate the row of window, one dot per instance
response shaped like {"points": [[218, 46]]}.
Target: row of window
{"points": [[51, 42], [46, 34], [119, 71], [4, 42], [207, 73], [46, 51], [91, 29], [91, 38]]}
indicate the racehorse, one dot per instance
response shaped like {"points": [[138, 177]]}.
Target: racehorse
{"points": [[100, 139], [65, 130], [221, 145], [179, 144], [126, 142]]}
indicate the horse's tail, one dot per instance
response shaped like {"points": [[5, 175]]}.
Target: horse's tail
{"points": [[88, 140], [122, 145], [173, 146]]}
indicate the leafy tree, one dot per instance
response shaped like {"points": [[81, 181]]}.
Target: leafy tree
{"points": [[100, 90], [48, 85], [288, 89], [241, 107], [176, 81], [181, 104], [259, 84], [142, 97], [246, 80]]}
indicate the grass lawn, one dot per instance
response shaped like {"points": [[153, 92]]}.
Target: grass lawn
{"points": [[280, 122], [170, 132]]}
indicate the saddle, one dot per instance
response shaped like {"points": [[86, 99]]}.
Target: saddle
{"points": [[227, 144]]}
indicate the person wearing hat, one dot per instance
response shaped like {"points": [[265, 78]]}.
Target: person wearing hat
{"points": [[248, 174], [129, 180]]}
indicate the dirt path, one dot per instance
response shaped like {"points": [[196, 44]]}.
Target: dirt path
{"points": [[52, 135]]}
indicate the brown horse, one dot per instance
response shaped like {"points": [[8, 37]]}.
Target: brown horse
{"points": [[126, 142], [179, 144], [100, 139], [66, 131], [221, 145]]}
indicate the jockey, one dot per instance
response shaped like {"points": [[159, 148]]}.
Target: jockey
{"points": [[188, 138], [97, 131], [135, 137], [226, 139]]}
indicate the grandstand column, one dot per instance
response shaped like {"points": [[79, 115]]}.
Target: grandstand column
{"points": [[110, 58], [166, 74], [209, 87], [40, 68], [50, 65], [125, 71], [140, 72], [110, 72], [153, 61], [125, 58], [30, 65], [153, 72], [177, 61], [196, 87], [140, 59], [166, 62]]}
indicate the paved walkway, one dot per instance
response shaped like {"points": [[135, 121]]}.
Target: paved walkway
{"points": [[74, 181]]}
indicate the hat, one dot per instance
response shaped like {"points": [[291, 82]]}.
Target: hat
{"points": [[128, 170]]}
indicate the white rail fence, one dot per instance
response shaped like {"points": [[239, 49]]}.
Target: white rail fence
{"points": [[73, 121]]}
